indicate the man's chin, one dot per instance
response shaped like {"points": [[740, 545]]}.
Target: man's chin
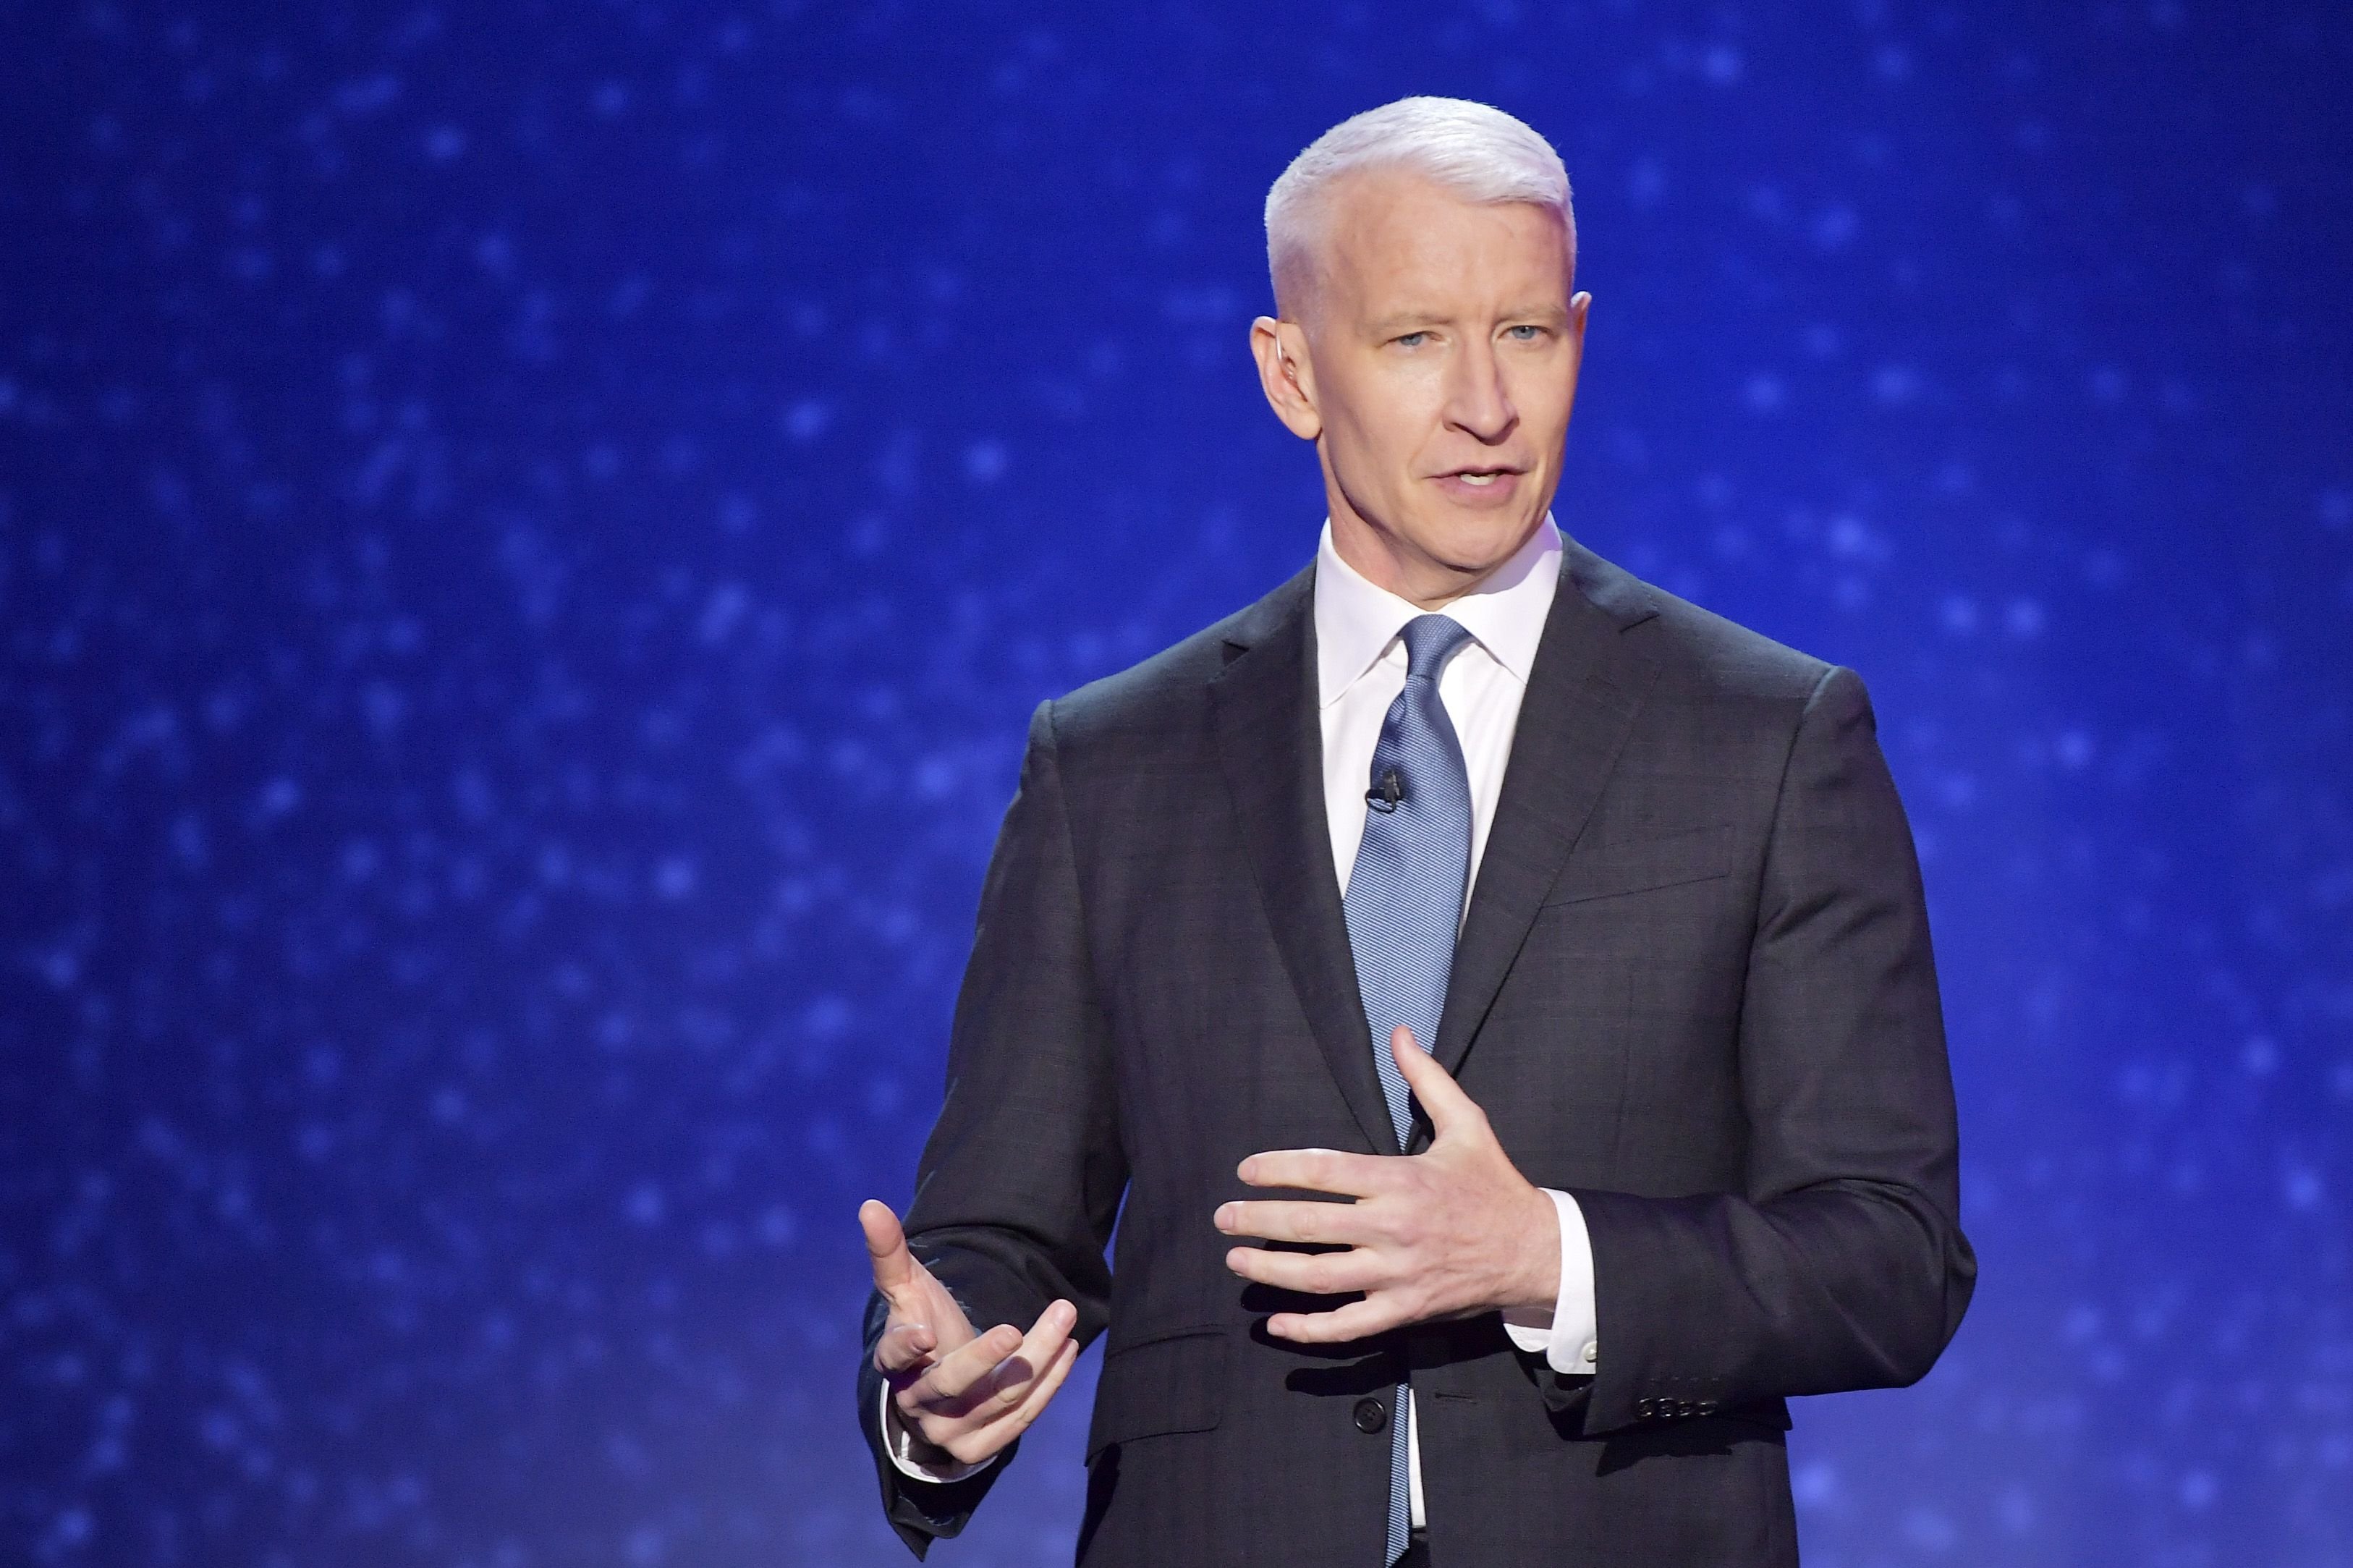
{"points": [[1438, 550], [1474, 544]]}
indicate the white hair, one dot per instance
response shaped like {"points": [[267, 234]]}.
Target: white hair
{"points": [[1479, 153]]}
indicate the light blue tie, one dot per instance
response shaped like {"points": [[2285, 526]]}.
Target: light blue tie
{"points": [[1404, 904]]}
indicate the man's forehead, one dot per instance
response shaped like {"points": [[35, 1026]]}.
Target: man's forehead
{"points": [[1406, 219], [1420, 249], [1396, 243]]}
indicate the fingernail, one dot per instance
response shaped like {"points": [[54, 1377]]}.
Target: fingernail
{"points": [[1225, 1217]]}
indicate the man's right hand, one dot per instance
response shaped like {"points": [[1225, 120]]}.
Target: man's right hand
{"points": [[960, 1395]]}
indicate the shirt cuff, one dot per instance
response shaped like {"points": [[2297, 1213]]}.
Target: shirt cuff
{"points": [[900, 1444], [1569, 1339]]}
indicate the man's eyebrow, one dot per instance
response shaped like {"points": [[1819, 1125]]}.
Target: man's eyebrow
{"points": [[1408, 320], [1400, 322]]}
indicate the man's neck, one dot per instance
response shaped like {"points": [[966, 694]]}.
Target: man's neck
{"points": [[1389, 564]]}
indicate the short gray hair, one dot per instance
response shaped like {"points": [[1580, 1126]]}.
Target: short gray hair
{"points": [[1480, 153]]}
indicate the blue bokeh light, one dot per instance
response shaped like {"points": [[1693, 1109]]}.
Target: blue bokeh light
{"points": [[528, 537]]}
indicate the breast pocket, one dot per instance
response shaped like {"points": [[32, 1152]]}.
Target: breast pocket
{"points": [[1622, 865], [1171, 1382]]}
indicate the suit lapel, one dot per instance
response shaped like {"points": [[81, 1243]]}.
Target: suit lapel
{"points": [[1271, 746], [1584, 687]]}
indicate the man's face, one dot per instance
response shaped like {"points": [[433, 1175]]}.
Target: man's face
{"points": [[1434, 364]]}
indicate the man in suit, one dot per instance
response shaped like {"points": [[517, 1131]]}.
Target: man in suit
{"points": [[1492, 996]]}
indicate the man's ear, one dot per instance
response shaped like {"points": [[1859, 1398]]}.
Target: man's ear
{"points": [[1579, 307], [1285, 375]]}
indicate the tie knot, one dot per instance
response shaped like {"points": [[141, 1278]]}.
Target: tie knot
{"points": [[1429, 642]]}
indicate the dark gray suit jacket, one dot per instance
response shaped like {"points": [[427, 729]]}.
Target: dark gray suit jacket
{"points": [[1694, 988]]}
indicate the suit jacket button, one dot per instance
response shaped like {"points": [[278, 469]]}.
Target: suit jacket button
{"points": [[1646, 1408], [1371, 1416]]}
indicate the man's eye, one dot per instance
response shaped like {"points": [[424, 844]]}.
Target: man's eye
{"points": [[1412, 340], [1526, 334]]}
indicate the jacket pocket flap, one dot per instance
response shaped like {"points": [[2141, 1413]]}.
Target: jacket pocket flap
{"points": [[1172, 1381], [1638, 865]]}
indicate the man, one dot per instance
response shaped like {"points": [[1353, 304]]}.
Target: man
{"points": [[1492, 996]]}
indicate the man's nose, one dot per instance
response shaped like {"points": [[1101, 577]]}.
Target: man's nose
{"points": [[1477, 401]]}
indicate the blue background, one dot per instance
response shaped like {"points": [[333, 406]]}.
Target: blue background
{"points": [[530, 533]]}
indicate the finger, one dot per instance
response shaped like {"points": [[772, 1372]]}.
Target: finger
{"points": [[904, 1346], [1042, 1387], [886, 1245], [1431, 1084], [946, 1384], [1294, 1220], [1311, 1274], [1009, 1384], [1356, 1320], [1315, 1171], [973, 1444], [971, 1389], [1042, 1391]]}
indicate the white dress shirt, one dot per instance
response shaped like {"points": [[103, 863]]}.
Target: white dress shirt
{"points": [[1360, 667]]}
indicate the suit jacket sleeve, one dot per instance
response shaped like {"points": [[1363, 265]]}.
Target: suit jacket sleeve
{"points": [[1022, 1179], [1842, 1264]]}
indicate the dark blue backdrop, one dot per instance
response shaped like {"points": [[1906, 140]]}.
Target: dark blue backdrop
{"points": [[530, 533]]}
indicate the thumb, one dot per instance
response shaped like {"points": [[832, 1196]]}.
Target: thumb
{"points": [[886, 1245], [1440, 1095]]}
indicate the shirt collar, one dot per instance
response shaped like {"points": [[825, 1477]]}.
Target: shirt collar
{"points": [[1356, 621]]}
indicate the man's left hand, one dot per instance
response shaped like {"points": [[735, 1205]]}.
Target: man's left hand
{"points": [[1449, 1233]]}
